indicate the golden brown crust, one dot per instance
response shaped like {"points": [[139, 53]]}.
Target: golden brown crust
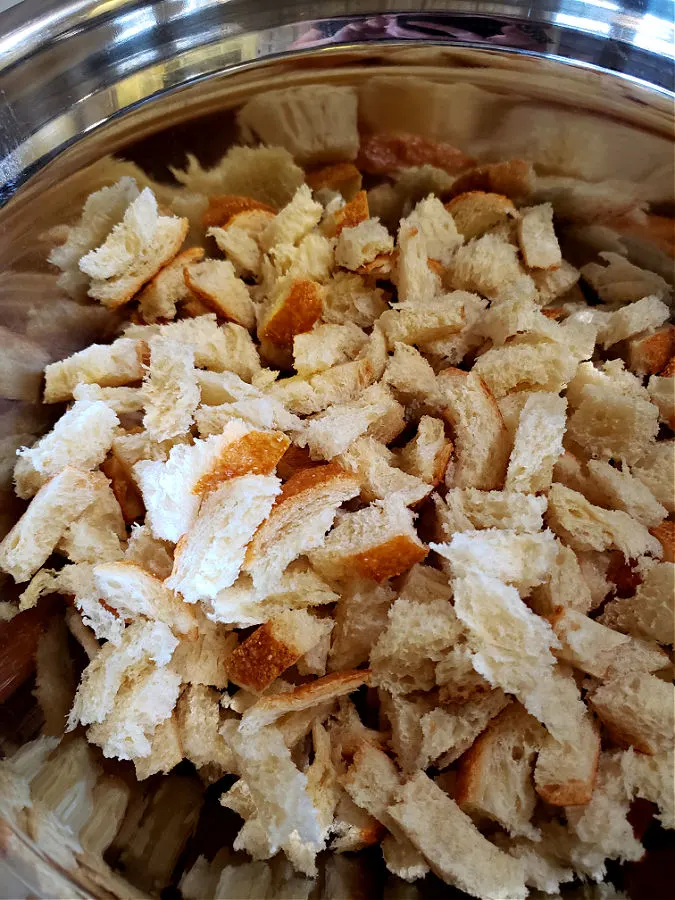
{"points": [[653, 353], [223, 207], [343, 177], [351, 213], [213, 302], [669, 368], [294, 314], [387, 560], [571, 793], [329, 687], [256, 453], [441, 462], [553, 312], [294, 460], [261, 658], [123, 487], [513, 178], [475, 212], [656, 230], [380, 267], [384, 153], [185, 258], [311, 477], [665, 535]]}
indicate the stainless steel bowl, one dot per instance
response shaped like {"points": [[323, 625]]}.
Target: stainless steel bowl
{"points": [[582, 88]]}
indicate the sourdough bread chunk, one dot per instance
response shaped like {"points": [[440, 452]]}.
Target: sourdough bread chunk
{"points": [[448, 731], [565, 770], [219, 348], [375, 413], [275, 646], [521, 559], [650, 614], [170, 390], [430, 318], [410, 376], [537, 444], [637, 710], [304, 512], [239, 240], [537, 237], [351, 299], [427, 455], [466, 509], [454, 848], [210, 555], [56, 505], [484, 265], [377, 542], [542, 365], [480, 436], [166, 751], [81, 439], [326, 346], [106, 365], [583, 526], [495, 776], [133, 252], [361, 244], [215, 283]]}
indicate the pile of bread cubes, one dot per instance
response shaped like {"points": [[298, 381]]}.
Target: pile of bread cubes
{"points": [[368, 505]]}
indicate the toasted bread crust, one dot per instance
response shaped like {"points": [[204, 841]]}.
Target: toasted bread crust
{"points": [[388, 560], [513, 178], [380, 154], [653, 353], [260, 659], [126, 493], [571, 793], [380, 267], [343, 177], [223, 207], [311, 477], [669, 368], [256, 453], [352, 213], [294, 460], [296, 312], [475, 212], [665, 535]]}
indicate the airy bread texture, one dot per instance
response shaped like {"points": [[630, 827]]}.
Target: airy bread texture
{"points": [[367, 508]]}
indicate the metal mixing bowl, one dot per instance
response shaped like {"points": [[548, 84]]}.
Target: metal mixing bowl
{"points": [[581, 88]]}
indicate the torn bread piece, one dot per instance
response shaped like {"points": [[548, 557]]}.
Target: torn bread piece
{"points": [[302, 515], [216, 284], [271, 707], [454, 848], [522, 365], [205, 660], [649, 353], [584, 526], [173, 488], [484, 265], [466, 509], [642, 315], [410, 375], [299, 587], [352, 299], [326, 346], [142, 642], [650, 614], [665, 534], [160, 298], [448, 731], [437, 228], [566, 770], [620, 490], [341, 178], [552, 284], [377, 542], [521, 559], [476, 212], [622, 282], [108, 365], [209, 556], [537, 443], [374, 465], [56, 505], [130, 592], [133, 252], [81, 438], [655, 470], [224, 208], [636, 709], [239, 238], [427, 455], [219, 348], [537, 238], [275, 646], [312, 394], [199, 717], [170, 391], [495, 776], [427, 319], [514, 177], [651, 777], [376, 413], [97, 534], [362, 244], [124, 401], [480, 436], [662, 393], [372, 782], [293, 308], [512, 647], [584, 643], [316, 123], [166, 751]]}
